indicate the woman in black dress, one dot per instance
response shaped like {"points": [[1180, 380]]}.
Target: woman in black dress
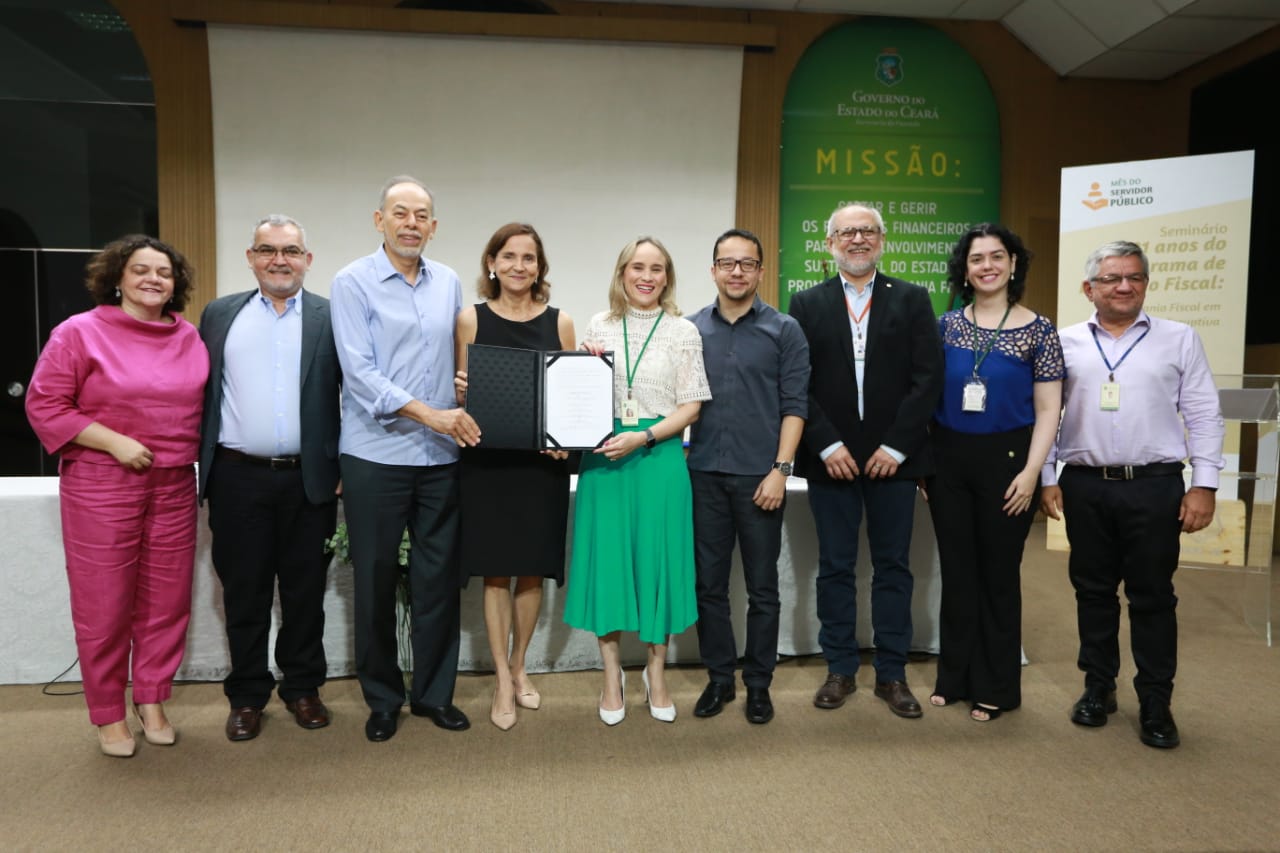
{"points": [[527, 491]]}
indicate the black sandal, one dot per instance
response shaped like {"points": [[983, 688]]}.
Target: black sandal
{"points": [[992, 713], [945, 700]]}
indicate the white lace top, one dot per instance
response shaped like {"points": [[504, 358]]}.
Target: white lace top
{"points": [[670, 372]]}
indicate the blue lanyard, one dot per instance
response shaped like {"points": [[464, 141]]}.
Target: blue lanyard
{"points": [[1114, 367]]}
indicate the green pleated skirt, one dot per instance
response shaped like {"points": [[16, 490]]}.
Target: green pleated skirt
{"points": [[632, 566]]}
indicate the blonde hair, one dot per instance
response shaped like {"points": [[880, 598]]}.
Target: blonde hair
{"points": [[618, 294]]}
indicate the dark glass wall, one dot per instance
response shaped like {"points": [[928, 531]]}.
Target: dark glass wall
{"points": [[1226, 116], [78, 143]]}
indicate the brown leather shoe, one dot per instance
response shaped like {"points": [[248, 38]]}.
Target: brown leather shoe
{"points": [[833, 691], [244, 723], [898, 695], [309, 711]]}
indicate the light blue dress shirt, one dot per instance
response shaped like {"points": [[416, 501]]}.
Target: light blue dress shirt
{"points": [[261, 379], [395, 344]]}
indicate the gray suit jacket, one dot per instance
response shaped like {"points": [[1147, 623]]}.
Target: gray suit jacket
{"points": [[320, 397]]}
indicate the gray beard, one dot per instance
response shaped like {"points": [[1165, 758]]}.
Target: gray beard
{"points": [[857, 269]]}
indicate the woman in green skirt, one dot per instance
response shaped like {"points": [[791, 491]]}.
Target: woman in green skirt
{"points": [[632, 567]]}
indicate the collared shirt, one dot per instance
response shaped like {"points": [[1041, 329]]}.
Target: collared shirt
{"points": [[1169, 408], [395, 345], [262, 379], [858, 304], [759, 373]]}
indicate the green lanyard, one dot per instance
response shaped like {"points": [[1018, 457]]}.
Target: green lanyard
{"points": [[979, 357], [626, 349]]}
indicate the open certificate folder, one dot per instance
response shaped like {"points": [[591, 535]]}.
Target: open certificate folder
{"points": [[530, 400]]}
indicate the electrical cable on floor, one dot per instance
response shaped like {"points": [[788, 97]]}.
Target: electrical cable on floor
{"points": [[47, 692]]}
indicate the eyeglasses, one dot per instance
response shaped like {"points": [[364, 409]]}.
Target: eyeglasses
{"points": [[291, 253], [869, 232], [1110, 280], [747, 264]]}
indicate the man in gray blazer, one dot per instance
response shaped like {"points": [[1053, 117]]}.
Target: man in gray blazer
{"points": [[269, 467]]}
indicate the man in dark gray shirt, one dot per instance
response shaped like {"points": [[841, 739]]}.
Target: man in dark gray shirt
{"points": [[740, 456]]}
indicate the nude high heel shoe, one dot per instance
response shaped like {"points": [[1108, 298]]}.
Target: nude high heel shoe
{"points": [[502, 719], [664, 715], [116, 748], [163, 736], [530, 698], [612, 718]]}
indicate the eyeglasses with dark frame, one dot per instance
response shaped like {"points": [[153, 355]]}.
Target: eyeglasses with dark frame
{"points": [[1112, 280], [868, 232], [747, 264], [291, 253]]}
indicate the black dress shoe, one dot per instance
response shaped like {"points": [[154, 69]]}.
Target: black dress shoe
{"points": [[1093, 706], [1158, 727], [381, 725], [759, 705], [712, 700], [445, 716]]}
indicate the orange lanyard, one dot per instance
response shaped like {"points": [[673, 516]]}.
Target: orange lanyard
{"points": [[858, 318]]}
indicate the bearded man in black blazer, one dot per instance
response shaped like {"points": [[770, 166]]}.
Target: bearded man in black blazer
{"points": [[269, 466], [876, 376]]}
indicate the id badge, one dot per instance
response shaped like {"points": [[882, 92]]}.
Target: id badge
{"points": [[974, 398], [630, 412], [859, 348], [1110, 397]]}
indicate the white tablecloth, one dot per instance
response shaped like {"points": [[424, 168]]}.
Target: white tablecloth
{"points": [[37, 641]]}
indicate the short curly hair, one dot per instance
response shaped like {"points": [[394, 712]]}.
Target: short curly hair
{"points": [[105, 270], [958, 263]]}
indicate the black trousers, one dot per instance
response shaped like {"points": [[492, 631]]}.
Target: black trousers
{"points": [[980, 550], [380, 502], [1125, 531], [723, 511], [266, 532]]}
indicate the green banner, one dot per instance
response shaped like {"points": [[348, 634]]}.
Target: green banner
{"points": [[895, 114]]}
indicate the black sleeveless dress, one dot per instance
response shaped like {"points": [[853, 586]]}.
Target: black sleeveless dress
{"points": [[514, 503]]}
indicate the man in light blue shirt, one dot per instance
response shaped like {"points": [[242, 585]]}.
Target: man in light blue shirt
{"points": [[393, 322], [269, 467]]}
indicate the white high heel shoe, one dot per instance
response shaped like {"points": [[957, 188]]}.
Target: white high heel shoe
{"points": [[665, 715], [612, 718]]}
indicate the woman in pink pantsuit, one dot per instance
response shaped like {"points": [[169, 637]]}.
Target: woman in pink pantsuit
{"points": [[117, 392]]}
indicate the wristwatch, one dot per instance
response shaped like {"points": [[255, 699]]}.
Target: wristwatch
{"points": [[784, 468], [649, 440]]}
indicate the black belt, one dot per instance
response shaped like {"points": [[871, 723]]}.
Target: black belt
{"points": [[1130, 472], [275, 463]]}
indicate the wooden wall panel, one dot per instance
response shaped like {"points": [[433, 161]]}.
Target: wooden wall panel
{"points": [[1047, 122], [178, 60]]}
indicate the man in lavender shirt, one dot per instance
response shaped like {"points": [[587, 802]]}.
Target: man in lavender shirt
{"points": [[1134, 383]]}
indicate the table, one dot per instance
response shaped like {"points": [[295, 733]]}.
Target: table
{"points": [[37, 642]]}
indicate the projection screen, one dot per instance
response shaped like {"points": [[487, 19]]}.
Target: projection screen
{"points": [[592, 143]]}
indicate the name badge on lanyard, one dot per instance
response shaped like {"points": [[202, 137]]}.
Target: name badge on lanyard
{"points": [[1109, 399], [630, 409], [630, 413], [859, 342], [974, 398]]}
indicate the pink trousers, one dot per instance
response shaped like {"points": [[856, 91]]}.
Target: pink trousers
{"points": [[130, 541]]}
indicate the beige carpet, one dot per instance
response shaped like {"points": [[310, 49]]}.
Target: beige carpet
{"points": [[853, 779]]}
